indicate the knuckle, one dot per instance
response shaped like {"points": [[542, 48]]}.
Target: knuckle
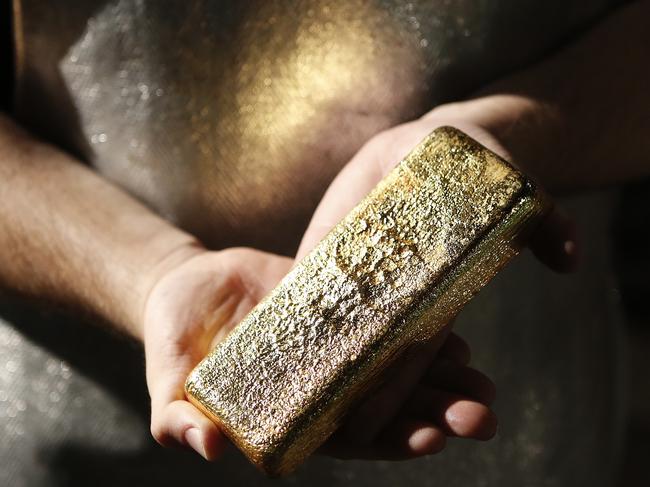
{"points": [[159, 432]]}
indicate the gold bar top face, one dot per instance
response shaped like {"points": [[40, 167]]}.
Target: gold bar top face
{"points": [[394, 271]]}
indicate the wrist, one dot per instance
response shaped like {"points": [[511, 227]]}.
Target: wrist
{"points": [[165, 252]]}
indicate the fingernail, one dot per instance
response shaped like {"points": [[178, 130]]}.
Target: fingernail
{"points": [[193, 438], [572, 252], [569, 247]]}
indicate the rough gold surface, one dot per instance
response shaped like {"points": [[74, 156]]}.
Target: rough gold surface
{"points": [[393, 272]]}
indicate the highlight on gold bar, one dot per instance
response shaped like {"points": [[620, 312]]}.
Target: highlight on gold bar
{"points": [[393, 272]]}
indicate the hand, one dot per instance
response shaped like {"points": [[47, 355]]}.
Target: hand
{"points": [[194, 304], [555, 241], [428, 396], [191, 307]]}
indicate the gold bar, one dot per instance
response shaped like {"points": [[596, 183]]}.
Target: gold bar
{"points": [[394, 271]]}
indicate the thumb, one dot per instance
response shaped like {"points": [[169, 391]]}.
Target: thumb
{"points": [[174, 421]]}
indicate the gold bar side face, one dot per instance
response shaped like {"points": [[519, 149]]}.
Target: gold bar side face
{"points": [[394, 271]]}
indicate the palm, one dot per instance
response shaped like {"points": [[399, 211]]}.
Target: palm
{"points": [[190, 309]]}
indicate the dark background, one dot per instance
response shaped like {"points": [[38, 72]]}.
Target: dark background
{"points": [[633, 261]]}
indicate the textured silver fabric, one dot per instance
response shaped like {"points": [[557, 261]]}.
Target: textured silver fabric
{"points": [[230, 118]]}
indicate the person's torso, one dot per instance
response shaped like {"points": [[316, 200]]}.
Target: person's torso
{"points": [[230, 118]]}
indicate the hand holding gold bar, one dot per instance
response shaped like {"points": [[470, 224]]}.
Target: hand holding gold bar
{"points": [[393, 272]]}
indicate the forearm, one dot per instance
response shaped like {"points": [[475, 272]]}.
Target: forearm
{"points": [[582, 117], [71, 237]]}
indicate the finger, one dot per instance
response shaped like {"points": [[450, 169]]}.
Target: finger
{"points": [[376, 411], [410, 438], [174, 421], [455, 414], [450, 376], [179, 423], [555, 242], [455, 349], [405, 438]]}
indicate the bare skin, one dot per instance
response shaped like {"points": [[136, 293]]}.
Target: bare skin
{"points": [[71, 237]]}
